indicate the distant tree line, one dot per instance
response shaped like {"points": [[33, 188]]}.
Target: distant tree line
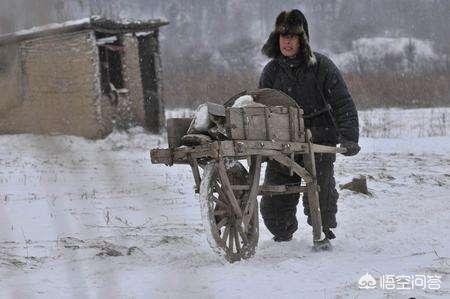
{"points": [[211, 48]]}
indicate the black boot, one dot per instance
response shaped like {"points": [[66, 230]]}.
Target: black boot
{"points": [[328, 233], [282, 238]]}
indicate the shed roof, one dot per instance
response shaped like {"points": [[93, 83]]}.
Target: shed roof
{"points": [[93, 23]]}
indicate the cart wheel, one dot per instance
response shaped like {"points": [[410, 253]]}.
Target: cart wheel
{"points": [[226, 232]]}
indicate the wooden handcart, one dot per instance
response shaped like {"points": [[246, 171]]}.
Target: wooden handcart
{"points": [[228, 190]]}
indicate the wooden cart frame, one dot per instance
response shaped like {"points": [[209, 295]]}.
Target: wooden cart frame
{"points": [[229, 191]]}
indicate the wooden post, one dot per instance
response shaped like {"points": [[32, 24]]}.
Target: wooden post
{"points": [[194, 167], [255, 172], [313, 194], [150, 67]]}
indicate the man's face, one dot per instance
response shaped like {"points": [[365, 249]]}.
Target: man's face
{"points": [[289, 45]]}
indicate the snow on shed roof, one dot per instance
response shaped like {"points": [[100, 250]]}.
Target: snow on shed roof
{"points": [[94, 23]]}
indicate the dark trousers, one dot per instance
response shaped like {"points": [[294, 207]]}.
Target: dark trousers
{"points": [[279, 211]]}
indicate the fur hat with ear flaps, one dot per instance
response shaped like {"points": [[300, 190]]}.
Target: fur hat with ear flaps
{"points": [[290, 23]]}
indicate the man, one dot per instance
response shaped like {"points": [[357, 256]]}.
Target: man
{"points": [[315, 83]]}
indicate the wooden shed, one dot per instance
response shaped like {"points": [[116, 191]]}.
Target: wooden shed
{"points": [[81, 77]]}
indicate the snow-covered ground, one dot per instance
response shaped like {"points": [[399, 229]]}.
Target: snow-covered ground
{"points": [[95, 219]]}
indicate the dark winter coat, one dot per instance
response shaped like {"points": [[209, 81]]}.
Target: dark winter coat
{"points": [[313, 86]]}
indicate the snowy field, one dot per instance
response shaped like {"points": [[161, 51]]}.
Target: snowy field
{"points": [[387, 123], [95, 219]]}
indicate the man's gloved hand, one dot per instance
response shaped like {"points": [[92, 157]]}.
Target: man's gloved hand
{"points": [[352, 148]]}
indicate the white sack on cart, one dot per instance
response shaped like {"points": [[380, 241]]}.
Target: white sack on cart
{"points": [[201, 122], [246, 101]]}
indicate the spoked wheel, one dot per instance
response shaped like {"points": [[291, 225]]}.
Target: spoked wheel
{"points": [[230, 208]]}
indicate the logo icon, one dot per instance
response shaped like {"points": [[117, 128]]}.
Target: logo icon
{"points": [[367, 282]]}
